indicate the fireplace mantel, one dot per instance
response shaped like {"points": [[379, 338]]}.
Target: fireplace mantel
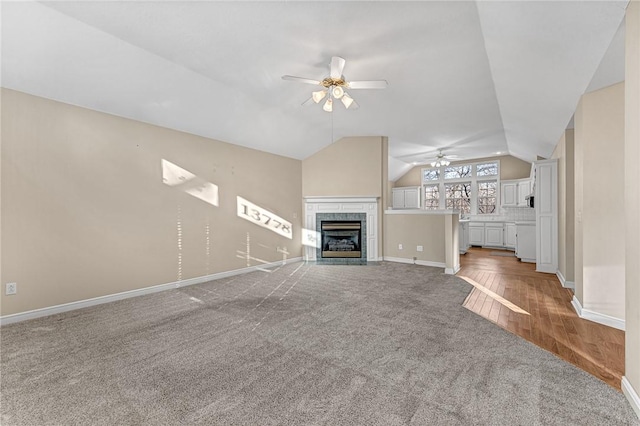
{"points": [[339, 204]]}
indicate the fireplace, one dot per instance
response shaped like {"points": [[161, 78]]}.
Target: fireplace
{"points": [[341, 238]]}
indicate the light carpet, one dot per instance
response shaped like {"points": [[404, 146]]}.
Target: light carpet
{"points": [[304, 344]]}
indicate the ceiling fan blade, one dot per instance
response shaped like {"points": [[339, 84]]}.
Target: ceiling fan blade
{"points": [[368, 84], [337, 65], [301, 80]]}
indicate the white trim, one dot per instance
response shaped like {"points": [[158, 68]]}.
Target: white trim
{"points": [[565, 283], [334, 199], [419, 211], [577, 306], [416, 262], [451, 271], [603, 319], [631, 394], [65, 307]]}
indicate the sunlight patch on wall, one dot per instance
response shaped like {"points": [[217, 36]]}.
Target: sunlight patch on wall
{"points": [[310, 238], [175, 176], [264, 218]]}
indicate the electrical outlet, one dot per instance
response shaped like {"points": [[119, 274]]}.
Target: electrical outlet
{"points": [[420, 248], [12, 288], [399, 246]]}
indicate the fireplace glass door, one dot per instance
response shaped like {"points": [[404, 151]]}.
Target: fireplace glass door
{"points": [[341, 239]]}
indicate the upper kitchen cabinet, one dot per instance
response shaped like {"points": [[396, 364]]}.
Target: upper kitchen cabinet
{"points": [[508, 193], [513, 192], [524, 189], [406, 197]]}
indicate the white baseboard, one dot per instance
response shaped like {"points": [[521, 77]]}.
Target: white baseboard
{"points": [[597, 317], [416, 262], [577, 306], [564, 282], [632, 395], [57, 309], [451, 271]]}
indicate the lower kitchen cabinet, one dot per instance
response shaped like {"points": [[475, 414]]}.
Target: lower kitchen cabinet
{"points": [[476, 233], [526, 242], [463, 237], [510, 235], [494, 234]]}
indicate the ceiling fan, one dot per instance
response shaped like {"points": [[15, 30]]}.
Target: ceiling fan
{"points": [[442, 160], [334, 86]]}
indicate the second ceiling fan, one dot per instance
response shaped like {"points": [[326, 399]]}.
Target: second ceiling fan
{"points": [[335, 86]]}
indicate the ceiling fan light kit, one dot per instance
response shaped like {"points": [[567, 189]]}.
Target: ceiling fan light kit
{"points": [[335, 85], [440, 163], [328, 106], [319, 95]]}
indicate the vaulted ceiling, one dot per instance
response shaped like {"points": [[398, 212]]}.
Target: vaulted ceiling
{"points": [[474, 78]]}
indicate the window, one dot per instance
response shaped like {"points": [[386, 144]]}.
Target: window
{"points": [[487, 196], [432, 197], [471, 188], [458, 196], [487, 169], [431, 174], [457, 172]]}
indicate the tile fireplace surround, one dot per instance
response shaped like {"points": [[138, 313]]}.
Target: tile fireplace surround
{"points": [[318, 209]]}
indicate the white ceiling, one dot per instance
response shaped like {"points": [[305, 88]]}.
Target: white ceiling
{"points": [[474, 78]]}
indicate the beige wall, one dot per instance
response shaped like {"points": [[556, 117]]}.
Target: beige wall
{"points": [[632, 197], [510, 168], [412, 230], [599, 143], [564, 154], [349, 167], [85, 212]]}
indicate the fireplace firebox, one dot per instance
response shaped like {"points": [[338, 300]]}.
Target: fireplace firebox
{"points": [[341, 239]]}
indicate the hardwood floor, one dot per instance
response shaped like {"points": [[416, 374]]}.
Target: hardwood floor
{"points": [[536, 307]]}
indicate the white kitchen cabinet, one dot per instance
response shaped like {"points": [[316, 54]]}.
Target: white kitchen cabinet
{"points": [[406, 197], [510, 235], [476, 233], [513, 192], [526, 242], [463, 237], [508, 193], [524, 189], [494, 234]]}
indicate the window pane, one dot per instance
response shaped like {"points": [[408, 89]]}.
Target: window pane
{"points": [[458, 196], [457, 172], [488, 169], [431, 174], [432, 197], [487, 197]]}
